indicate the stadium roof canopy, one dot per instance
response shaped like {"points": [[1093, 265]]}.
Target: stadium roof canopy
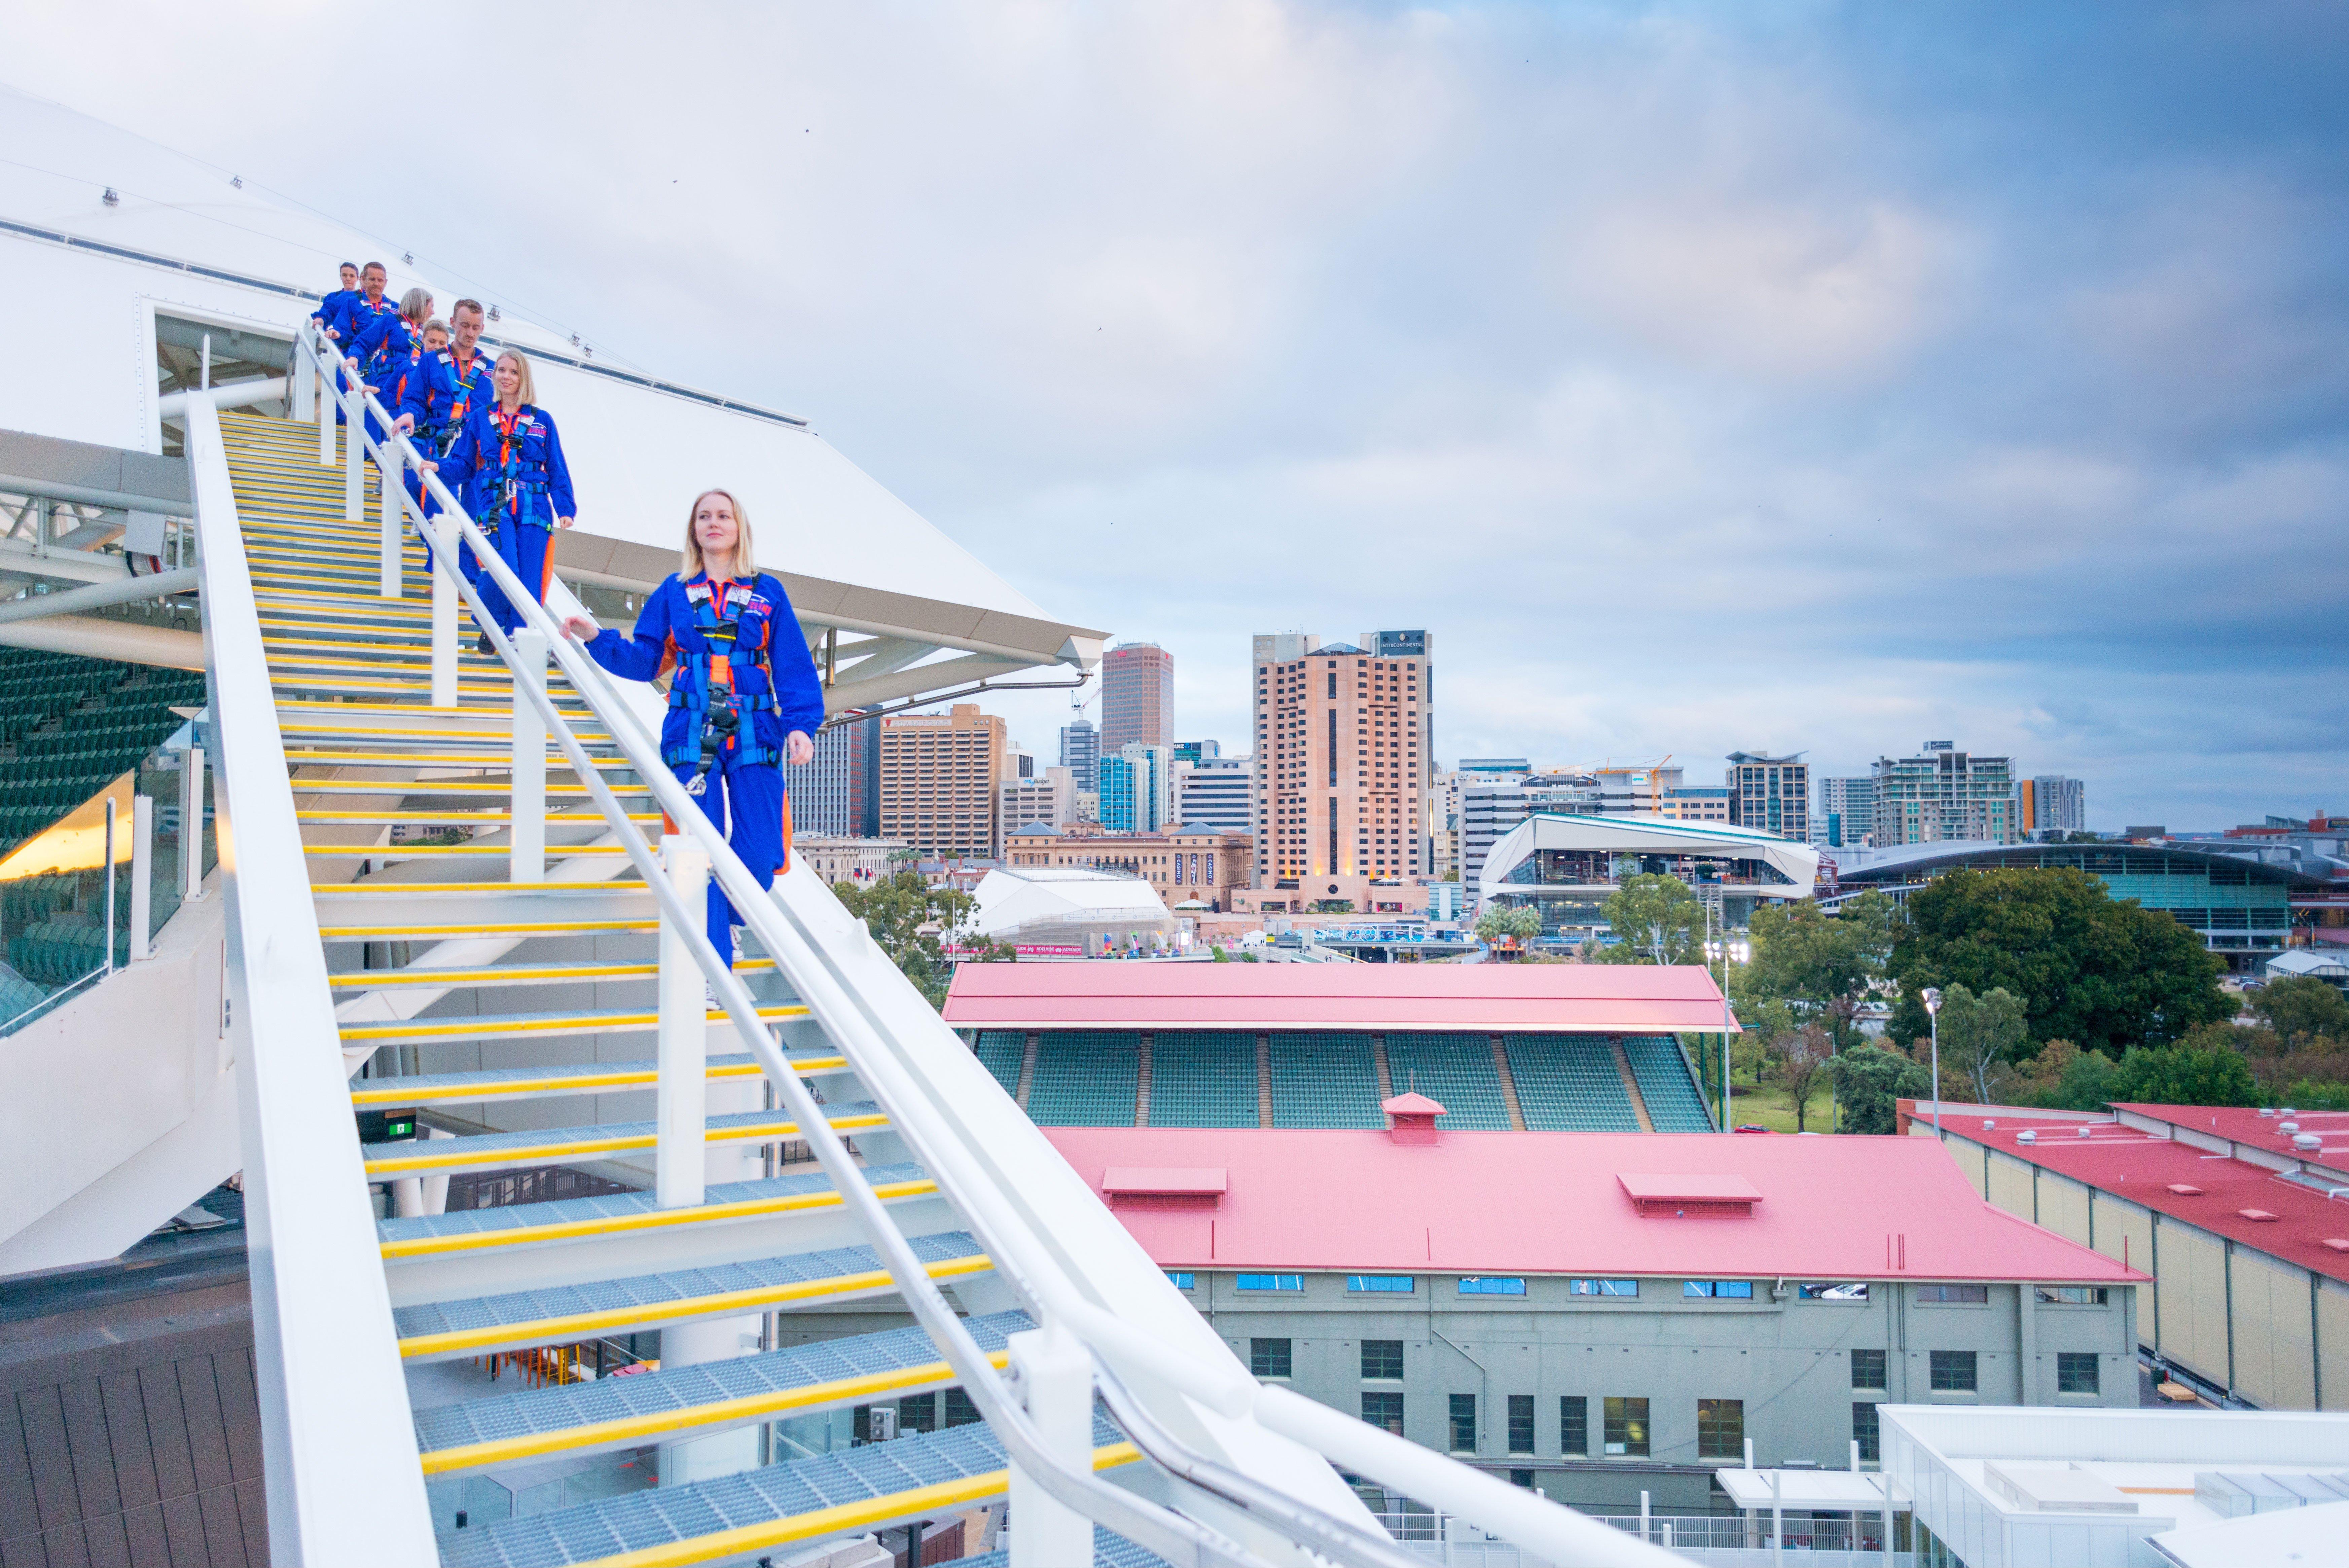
{"points": [[1641, 833], [1485, 998], [1829, 1209], [108, 234], [1910, 862]]}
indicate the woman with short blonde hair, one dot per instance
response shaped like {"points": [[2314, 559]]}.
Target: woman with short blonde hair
{"points": [[508, 459], [744, 699]]}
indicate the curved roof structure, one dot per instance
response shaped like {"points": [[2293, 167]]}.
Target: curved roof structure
{"points": [[1012, 897], [105, 231], [1638, 833], [1907, 862]]}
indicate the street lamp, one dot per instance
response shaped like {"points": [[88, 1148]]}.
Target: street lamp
{"points": [[1932, 998]]}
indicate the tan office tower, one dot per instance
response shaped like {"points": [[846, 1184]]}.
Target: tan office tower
{"points": [[941, 781], [1137, 697], [1343, 736]]}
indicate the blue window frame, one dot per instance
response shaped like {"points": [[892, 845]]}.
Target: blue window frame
{"points": [[1270, 1282], [1392, 1285], [1719, 1289], [1183, 1280], [1492, 1284], [1602, 1287]]}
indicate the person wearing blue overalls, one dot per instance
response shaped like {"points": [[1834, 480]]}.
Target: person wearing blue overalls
{"points": [[330, 311], [455, 379], [744, 699], [510, 457]]}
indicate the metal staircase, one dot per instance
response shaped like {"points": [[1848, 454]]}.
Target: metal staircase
{"points": [[451, 894]]}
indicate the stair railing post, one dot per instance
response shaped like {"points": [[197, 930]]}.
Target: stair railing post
{"points": [[1052, 1379], [681, 1095], [354, 455], [142, 869], [323, 400], [526, 823], [392, 514], [445, 546], [192, 825], [109, 884]]}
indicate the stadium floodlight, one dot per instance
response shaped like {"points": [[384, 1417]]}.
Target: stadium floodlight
{"points": [[1933, 999]]}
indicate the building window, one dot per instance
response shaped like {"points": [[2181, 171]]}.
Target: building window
{"points": [[1972, 1295], [1269, 1358], [1521, 1423], [1523, 1477], [1626, 1433], [1722, 1289], [1382, 1357], [1573, 1425], [1392, 1285], [1865, 1432], [1268, 1282], [1602, 1287], [1856, 1291], [1183, 1280], [1464, 1423], [1867, 1368], [1492, 1284], [1720, 1429], [1384, 1409], [2077, 1372], [917, 1413], [961, 1409], [1953, 1372], [2069, 1295]]}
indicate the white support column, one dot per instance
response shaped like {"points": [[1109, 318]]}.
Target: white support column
{"points": [[324, 403], [142, 870], [445, 547], [527, 830], [391, 519], [192, 825], [681, 1096], [354, 465], [301, 391], [435, 1187], [1052, 1377]]}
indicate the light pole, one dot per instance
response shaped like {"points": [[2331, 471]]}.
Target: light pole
{"points": [[1932, 997]]}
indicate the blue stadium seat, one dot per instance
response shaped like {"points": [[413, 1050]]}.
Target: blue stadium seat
{"points": [[1001, 1052], [1202, 1078], [1324, 1078], [1085, 1077], [1568, 1083], [1674, 1102], [1454, 1070]]}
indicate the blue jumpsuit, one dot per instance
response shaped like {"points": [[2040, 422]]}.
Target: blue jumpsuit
{"points": [[334, 312], [518, 485], [737, 638], [440, 397], [378, 338]]}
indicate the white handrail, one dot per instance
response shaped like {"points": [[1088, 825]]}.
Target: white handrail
{"points": [[335, 1418], [1556, 1533]]}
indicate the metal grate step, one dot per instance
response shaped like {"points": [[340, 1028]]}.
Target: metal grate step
{"points": [[564, 1145]]}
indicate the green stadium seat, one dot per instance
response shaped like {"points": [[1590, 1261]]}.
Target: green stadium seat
{"points": [[1456, 1071], [1568, 1083], [1324, 1078], [1001, 1052], [1085, 1077], [1674, 1102], [1202, 1078]]}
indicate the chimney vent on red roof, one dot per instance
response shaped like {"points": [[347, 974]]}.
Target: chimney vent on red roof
{"points": [[2257, 1216], [1691, 1197], [1161, 1187], [1411, 1117]]}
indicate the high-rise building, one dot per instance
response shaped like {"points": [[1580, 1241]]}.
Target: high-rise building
{"points": [[1845, 818], [1488, 810], [1050, 799], [1080, 753], [2052, 804], [838, 795], [1137, 696], [1638, 786], [1197, 751], [1695, 803], [1137, 789], [1943, 794], [1214, 793], [941, 774], [1342, 756], [1772, 793]]}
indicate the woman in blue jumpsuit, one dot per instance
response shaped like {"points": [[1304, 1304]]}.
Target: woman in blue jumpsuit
{"points": [[510, 456], [727, 630]]}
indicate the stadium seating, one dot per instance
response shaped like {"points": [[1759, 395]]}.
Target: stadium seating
{"points": [[1673, 1103], [1455, 1070], [1001, 1052], [1085, 1077], [1324, 1078], [1568, 1083], [1202, 1078], [109, 715]]}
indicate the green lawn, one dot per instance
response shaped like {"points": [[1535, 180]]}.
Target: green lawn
{"points": [[1769, 1107]]}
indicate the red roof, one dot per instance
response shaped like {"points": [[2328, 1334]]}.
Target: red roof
{"points": [[1554, 1204], [2264, 1132], [2175, 1178], [1598, 999]]}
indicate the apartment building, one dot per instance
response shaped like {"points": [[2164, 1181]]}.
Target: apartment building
{"points": [[1845, 818], [1342, 756], [838, 795], [1137, 696], [2052, 804], [1137, 789], [1772, 793], [941, 778], [1944, 793], [1695, 803], [1050, 799], [1080, 753], [1213, 792]]}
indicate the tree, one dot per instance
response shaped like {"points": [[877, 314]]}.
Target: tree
{"points": [[2301, 1009], [1804, 1059], [1655, 920], [1870, 1081], [2100, 973], [895, 909], [1823, 966], [1980, 1032], [1500, 924], [2183, 1075], [2062, 1076]]}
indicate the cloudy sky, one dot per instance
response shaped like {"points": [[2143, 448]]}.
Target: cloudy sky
{"points": [[1809, 376]]}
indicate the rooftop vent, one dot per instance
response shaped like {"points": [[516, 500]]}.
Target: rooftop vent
{"points": [[2337, 1243], [1411, 1117], [2257, 1216], [2309, 1143], [2027, 1136], [1692, 1197], [2084, 1131], [2287, 1127], [1162, 1187], [2186, 1189]]}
